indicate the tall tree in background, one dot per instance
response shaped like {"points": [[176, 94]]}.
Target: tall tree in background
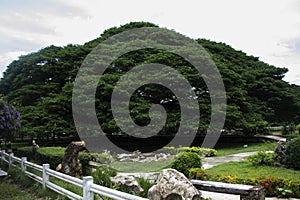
{"points": [[41, 84]]}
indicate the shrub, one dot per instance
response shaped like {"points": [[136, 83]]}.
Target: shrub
{"points": [[184, 161], [293, 153], [205, 152], [85, 158], [198, 173], [102, 176], [24, 152], [170, 149], [101, 158], [262, 158], [146, 185], [51, 155]]}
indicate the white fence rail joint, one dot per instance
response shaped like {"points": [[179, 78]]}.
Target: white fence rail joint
{"points": [[87, 184]]}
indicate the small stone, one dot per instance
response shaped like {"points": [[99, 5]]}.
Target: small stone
{"points": [[128, 182]]}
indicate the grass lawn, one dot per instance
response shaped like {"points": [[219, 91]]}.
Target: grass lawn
{"points": [[228, 149], [11, 191], [224, 149], [245, 169], [140, 167], [17, 186]]}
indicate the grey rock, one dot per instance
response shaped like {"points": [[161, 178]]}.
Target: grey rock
{"points": [[172, 184], [127, 182]]}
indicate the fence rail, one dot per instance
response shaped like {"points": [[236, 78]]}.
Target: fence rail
{"points": [[87, 184]]}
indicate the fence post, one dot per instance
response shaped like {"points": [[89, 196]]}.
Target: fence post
{"points": [[10, 159], [45, 175], [87, 182], [2, 156], [23, 167]]}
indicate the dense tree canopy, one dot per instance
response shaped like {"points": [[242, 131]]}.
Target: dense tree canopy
{"points": [[41, 84]]}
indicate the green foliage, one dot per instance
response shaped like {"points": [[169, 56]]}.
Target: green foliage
{"points": [[27, 185], [263, 158], [54, 156], [205, 152], [298, 128], [170, 149], [24, 152], [102, 176], [41, 85], [101, 158], [293, 153], [198, 173], [85, 158], [51, 155], [186, 160], [278, 187], [146, 185]]}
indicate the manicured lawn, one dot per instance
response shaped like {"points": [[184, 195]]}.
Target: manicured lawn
{"points": [[228, 149], [245, 169], [140, 167], [224, 149]]}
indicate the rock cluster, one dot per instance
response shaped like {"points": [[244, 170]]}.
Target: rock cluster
{"points": [[142, 157]]}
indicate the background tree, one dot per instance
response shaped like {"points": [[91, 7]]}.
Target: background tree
{"points": [[41, 84]]}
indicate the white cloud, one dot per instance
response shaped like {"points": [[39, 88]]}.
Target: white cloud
{"points": [[6, 58]]}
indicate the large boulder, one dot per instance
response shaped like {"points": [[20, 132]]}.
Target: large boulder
{"points": [[173, 185], [128, 182]]}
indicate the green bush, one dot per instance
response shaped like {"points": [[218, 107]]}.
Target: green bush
{"points": [[102, 176], [51, 155], [146, 185], [24, 152], [101, 158], [262, 158], [170, 149], [85, 158], [293, 153], [198, 173], [186, 160], [205, 152]]}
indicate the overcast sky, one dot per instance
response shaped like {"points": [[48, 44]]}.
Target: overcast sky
{"points": [[268, 29]]}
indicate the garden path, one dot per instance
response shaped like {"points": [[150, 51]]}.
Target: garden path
{"points": [[209, 162]]}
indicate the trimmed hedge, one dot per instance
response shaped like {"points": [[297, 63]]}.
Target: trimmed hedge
{"points": [[53, 156], [205, 152]]}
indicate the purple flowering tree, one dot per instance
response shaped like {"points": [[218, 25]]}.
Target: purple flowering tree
{"points": [[9, 120]]}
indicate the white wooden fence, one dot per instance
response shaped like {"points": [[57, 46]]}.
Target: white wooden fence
{"points": [[87, 185]]}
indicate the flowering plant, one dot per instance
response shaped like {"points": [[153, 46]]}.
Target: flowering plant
{"points": [[9, 119]]}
